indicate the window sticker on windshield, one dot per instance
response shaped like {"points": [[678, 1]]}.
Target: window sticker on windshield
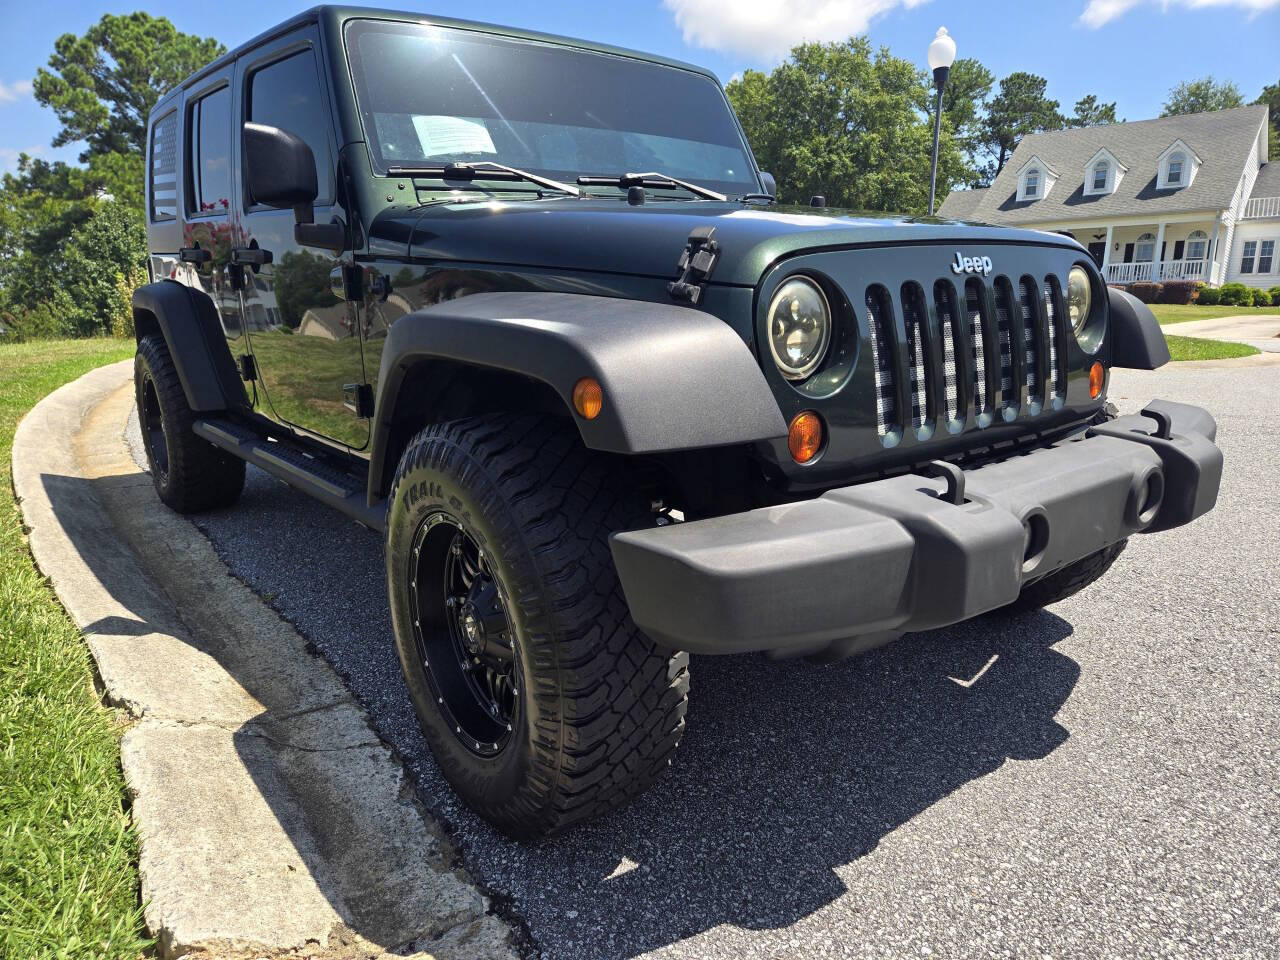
{"points": [[448, 136]]}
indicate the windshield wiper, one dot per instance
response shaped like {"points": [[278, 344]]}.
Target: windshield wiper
{"points": [[484, 170], [766, 197], [650, 181]]}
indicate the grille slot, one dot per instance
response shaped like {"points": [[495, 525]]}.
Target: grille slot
{"points": [[974, 297], [1052, 297], [1004, 327], [914, 316], [880, 325], [953, 347], [1031, 338]]}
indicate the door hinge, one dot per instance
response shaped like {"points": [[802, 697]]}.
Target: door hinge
{"points": [[248, 367], [695, 265], [358, 398]]}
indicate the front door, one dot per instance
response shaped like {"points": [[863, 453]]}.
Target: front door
{"points": [[305, 341], [1098, 250], [205, 256]]}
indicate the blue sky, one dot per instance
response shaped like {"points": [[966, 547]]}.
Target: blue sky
{"points": [[1129, 51]]}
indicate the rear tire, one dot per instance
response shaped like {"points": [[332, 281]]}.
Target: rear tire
{"points": [[190, 474], [593, 710], [1070, 580]]}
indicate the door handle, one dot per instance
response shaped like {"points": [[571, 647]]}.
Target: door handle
{"points": [[194, 255], [250, 256]]}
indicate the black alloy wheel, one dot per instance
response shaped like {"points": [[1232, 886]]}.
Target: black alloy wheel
{"points": [[463, 635]]}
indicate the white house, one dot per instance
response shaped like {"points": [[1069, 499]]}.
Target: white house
{"points": [[1190, 197]]}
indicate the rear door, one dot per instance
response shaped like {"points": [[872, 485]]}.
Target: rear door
{"points": [[305, 341], [205, 208]]}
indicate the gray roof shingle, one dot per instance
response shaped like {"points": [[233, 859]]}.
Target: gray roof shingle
{"points": [[960, 204], [1268, 182], [1222, 139]]}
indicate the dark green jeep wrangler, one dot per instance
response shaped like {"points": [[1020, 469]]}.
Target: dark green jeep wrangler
{"points": [[527, 305]]}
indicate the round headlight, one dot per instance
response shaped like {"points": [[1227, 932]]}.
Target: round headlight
{"points": [[799, 327], [1079, 299]]}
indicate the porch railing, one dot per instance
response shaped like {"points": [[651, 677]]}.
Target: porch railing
{"points": [[1169, 270], [1262, 207]]}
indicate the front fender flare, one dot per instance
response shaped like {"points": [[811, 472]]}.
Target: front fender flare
{"points": [[674, 378]]}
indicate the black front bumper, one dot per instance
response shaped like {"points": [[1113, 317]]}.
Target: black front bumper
{"points": [[864, 563]]}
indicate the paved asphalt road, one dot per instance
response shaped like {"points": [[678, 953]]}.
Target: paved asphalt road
{"points": [[1099, 779]]}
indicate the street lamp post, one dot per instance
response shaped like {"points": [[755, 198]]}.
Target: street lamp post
{"points": [[942, 53]]}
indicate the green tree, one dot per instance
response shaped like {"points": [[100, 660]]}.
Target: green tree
{"points": [[1020, 107], [839, 120], [1270, 99], [963, 103], [1201, 96], [1090, 113], [103, 249], [102, 86]]}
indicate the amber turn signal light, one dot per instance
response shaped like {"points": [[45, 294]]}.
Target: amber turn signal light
{"points": [[588, 398], [804, 437], [1097, 376]]}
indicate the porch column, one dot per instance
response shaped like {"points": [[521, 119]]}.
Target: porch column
{"points": [[1106, 257], [1211, 255], [1157, 257]]}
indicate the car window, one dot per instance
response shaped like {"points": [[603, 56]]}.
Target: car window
{"points": [[287, 95], [432, 95], [209, 153], [164, 168]]}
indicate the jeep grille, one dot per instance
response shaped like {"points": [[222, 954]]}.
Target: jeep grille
{"points": [[1010, 324]]}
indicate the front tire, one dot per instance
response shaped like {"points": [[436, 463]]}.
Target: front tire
{"points": [[1068, 581], [542, 701], [190, 474]]}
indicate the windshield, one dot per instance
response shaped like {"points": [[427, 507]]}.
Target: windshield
{"points": [[434, 95]]}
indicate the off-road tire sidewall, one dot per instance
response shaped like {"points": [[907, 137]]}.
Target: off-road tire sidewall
{"points": [[522, 789], [200, 476]]}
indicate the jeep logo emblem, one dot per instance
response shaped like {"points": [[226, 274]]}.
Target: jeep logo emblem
{"points": [[980, 265]]}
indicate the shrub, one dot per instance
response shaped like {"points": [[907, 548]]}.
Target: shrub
{"points": [[1177, 291], [1209, 296], [1261, 298], [1274, 293], [1233, 294], [1146, 292]]}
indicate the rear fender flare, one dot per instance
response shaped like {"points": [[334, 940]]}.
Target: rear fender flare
{"points": [[673, 378], [188, 321]]}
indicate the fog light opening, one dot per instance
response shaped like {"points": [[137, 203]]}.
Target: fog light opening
{"points": [[1150, 498], [1035, 532]]}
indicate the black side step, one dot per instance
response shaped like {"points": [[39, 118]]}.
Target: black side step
{"points": [[284, 461]]}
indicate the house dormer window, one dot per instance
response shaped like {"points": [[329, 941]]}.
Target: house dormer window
{"points": [[1035, 180], [1100, 175], [1178, 166]]}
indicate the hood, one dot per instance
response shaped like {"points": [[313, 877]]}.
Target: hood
{"points": [[610, 236]]}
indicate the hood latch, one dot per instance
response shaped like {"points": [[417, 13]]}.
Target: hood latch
{"points": [[695, 265]]}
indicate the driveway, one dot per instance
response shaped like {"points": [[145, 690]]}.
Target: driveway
{"points": [[1257, 330], [1101, 778]]}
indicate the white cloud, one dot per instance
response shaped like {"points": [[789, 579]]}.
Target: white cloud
{"points": [[768, 29], [9, 92], [9, 157], [1099, 12]]}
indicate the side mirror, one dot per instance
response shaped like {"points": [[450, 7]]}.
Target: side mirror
{"points": [[770, 184], [280, 170]]}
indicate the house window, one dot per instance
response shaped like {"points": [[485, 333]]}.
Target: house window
{"points": [[1145, 251], [1032, 183], [1264, 256], [1246, 261], [1100, 175], [1197, 241], [1174, 176]]}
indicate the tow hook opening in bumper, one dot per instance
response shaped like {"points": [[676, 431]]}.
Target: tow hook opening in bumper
{"points": [[862, 564]]}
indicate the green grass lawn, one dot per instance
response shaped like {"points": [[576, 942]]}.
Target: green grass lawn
{"points": [[68, 854], [1197, 348], [1180, 313]]}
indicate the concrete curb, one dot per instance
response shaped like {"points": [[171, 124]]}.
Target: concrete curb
{"points": [[272, 818]]}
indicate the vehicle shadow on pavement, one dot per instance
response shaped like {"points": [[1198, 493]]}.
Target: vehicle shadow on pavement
{"points": [[790, 770]]}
